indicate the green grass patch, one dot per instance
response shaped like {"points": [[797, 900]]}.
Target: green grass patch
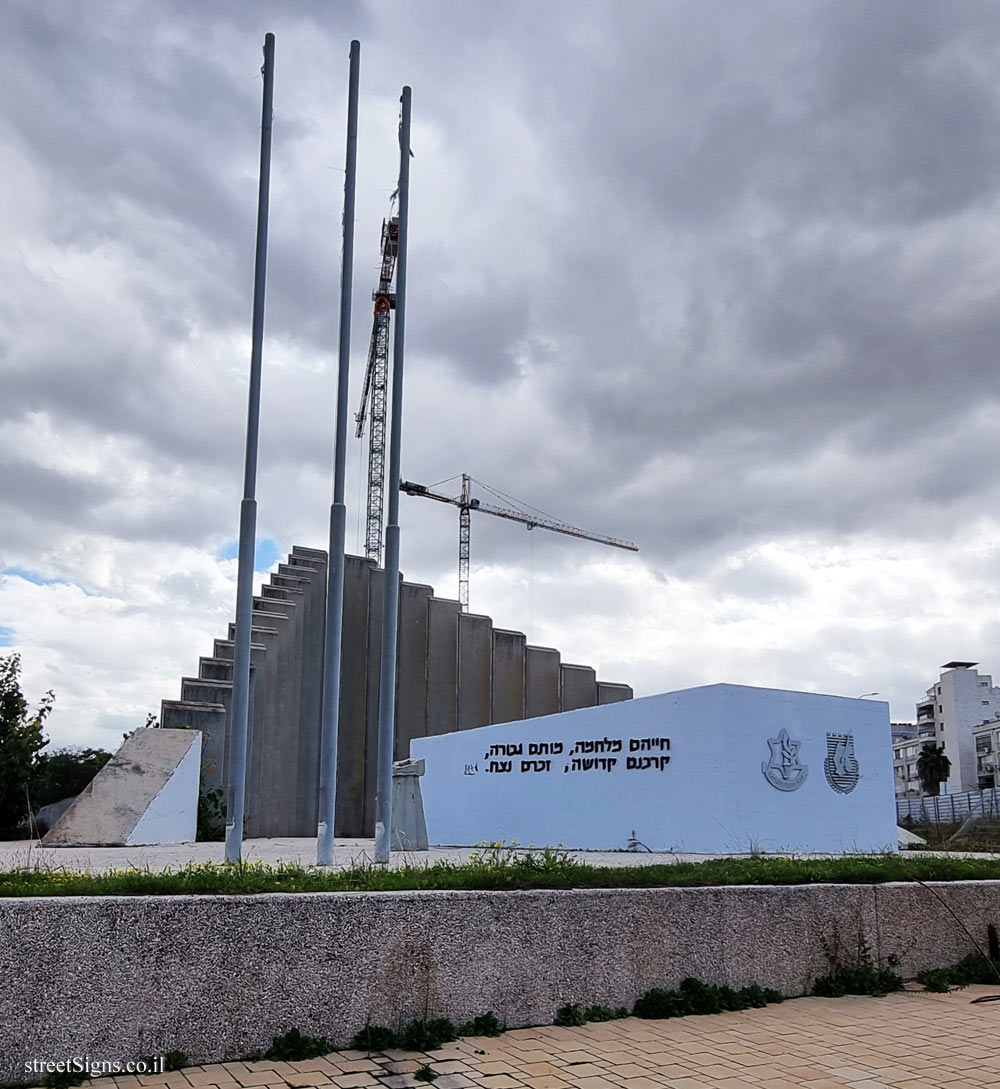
{"points": [[495, 870]]}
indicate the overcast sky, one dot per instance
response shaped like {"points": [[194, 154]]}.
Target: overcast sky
{"points": [[720, 278]]}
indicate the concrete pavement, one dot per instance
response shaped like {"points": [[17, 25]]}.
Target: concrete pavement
{"points": [[911, 1040]]}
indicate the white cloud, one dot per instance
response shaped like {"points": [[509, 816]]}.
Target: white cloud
{"points": [[722, 282]]}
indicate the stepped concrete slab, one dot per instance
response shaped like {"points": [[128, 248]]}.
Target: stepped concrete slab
{"points": [[475, 670], [210, 720], [310, 596], [349, 813], [147, 793], [215, 669], [411, 694], [280, 755], [376, 605], [442, 665], [263, 715], [612, 693], [579, 687], [541, 682], [508, 676]]}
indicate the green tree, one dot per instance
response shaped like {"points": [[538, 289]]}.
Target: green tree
{"points": [[21, 738], [63, 773], [933, 768]]}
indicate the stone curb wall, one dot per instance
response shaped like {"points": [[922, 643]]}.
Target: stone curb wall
{"points": [[217, 977]]}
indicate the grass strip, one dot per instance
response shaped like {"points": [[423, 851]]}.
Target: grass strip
{"points": [[505, 869]]}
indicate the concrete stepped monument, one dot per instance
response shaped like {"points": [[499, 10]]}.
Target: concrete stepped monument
{"points": [[455, 671]]}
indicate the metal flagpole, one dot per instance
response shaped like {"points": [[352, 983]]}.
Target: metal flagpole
{"points": [[248, 508], [387, 679], [338, 510]]}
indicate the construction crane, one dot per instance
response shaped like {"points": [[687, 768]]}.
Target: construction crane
{"points": [[532, 520], [376, 378]]}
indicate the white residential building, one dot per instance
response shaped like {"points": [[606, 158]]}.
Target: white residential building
{"points": [[987, 737], [905, 753], [962, 700]]}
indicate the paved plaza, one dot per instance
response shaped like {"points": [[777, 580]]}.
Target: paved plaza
{"points": [[911, 1040], [348, 852]]}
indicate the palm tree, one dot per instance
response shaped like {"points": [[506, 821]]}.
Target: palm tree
{"points": [[933, 767]]}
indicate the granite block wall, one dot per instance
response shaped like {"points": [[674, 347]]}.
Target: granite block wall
{"points": [[218, 977]]}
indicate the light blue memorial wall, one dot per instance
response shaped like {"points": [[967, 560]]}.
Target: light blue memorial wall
{"points": [[724, 768]]}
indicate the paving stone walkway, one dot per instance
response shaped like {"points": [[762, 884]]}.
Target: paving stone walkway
{"points": [[911, 1040]]}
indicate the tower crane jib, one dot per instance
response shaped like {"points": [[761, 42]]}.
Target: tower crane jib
{"points": [[466, 504]]}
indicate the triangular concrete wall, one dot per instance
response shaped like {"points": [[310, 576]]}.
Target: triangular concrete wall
{"points": [[146, 793]]}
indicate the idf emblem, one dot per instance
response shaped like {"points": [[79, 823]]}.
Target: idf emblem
{"points": [[784, 771], [841, 765]]}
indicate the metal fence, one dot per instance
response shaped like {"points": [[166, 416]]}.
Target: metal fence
{"points": [[949, 807]]}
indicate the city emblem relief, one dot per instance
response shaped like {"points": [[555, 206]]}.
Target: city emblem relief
{"points": [[841, 765], [784, 771]]}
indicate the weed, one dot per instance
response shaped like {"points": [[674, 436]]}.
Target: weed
{"points": [[604, 1013], [694, 997], [211, 826], [859, 974], [426, 1073], [64, 1079], [974, 968], [427, 1035], [570, 1016], [375, 1038], [484, 1024], [294, 1047]]}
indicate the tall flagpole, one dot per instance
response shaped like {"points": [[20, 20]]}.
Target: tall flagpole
{"points": [[338, 510], [390, 621], [248, 508]]}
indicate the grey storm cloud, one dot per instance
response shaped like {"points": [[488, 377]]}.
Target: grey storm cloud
{"points": [[702, 276], [761, 189]]}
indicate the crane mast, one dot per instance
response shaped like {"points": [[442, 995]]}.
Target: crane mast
{"points": [[374, 391], [466, 504]]}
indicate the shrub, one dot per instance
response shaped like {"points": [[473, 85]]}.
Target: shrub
{"points": [[693, 997], [604, 1013], [858, 975], [427, 1035], [374, 1038], [294, 1046], [485, 1024], [569, 1016], [974, 968]]}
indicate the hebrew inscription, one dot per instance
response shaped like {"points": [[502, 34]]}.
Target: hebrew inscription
{"points": [[584, 755]]}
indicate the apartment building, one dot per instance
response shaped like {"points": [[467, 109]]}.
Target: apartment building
{"points": [[905, 753], [949, 714], [987, 738]]}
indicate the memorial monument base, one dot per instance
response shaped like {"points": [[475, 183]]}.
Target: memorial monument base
{"points": [[719, 769]]}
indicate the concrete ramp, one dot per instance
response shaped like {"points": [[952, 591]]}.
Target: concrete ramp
{"points": [[146, 793]]}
